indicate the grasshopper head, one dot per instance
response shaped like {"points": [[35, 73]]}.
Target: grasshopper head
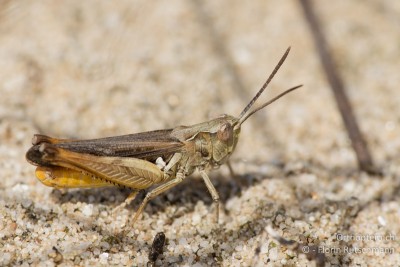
{"points": [[225, 138]]}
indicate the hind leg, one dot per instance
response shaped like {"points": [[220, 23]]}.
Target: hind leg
{"points": [[127, 201], [157, 191]]}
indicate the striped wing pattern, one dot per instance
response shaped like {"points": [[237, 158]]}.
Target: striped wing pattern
{"points": [[140, 176], [130, 172]]}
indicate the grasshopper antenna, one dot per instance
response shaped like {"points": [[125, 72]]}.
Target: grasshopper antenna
{"points": [[264, 85], [242, 119]]}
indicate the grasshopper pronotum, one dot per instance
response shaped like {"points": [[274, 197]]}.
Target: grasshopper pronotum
{"points": [[139, 161]]}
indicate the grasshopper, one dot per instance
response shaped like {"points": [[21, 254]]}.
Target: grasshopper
{"points": [[142, 160]]}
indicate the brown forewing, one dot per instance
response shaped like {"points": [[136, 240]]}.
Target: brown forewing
{"points": [[147, 145]]}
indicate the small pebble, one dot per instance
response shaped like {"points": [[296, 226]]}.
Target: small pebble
{"points": [[103, 258], [87, 210]]}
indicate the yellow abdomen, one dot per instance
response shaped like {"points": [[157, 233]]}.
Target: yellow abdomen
{"points": [[60, 177]]}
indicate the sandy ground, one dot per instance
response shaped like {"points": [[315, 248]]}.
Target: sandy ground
{"points": [[86, 69]]}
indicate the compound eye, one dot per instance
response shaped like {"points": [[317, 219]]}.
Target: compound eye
{"points": [[225, 133]]}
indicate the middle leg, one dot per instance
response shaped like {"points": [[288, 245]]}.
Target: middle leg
{"points": [[212, 190]]}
